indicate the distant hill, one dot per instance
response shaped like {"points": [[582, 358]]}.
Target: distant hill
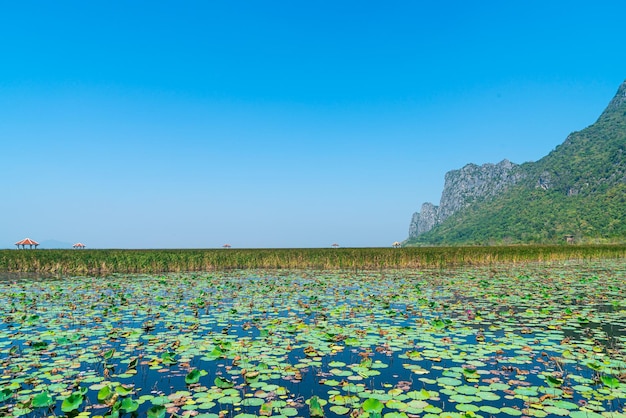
{"points": [[54, 244], [578, 191]]}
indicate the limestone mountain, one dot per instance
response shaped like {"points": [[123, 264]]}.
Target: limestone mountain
{"points": [[578, 189]]}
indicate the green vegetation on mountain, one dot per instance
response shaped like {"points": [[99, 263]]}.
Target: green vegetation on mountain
{"points": [[578, 189]]}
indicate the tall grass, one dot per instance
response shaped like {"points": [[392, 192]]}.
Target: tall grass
{"points": [[155, 261]]}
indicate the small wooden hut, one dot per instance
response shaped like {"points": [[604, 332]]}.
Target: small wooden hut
{"points": [[26, 241]]}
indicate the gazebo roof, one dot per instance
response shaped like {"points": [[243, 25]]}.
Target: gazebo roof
{"points": [[79, 244], [27, 241]]}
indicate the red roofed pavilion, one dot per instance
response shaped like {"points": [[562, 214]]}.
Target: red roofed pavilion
{"points": [[79, 245], [25, 242]]}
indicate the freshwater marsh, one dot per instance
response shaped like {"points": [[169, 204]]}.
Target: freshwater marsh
{"points": [[538, 339]]}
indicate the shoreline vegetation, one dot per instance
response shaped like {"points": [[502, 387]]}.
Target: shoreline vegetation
{"points": [[98, 262]]}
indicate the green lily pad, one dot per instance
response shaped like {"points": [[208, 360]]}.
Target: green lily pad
{"points": [[610, 381], [223, 383], [491, 410], [395, 415], [42, 400], [585, 414], [556, 411], [339, 410], [156, 411], [510, 411], [5, 394], [449, 381], [252, 402], [120, 390], [129, 405], [193, 377], [372, 405], [419, 395], [467, 407], [108, 354], [72, 402], [161, 400], [288, 412], [315, 408]]}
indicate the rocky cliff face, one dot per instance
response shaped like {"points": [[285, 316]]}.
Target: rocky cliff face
{"points": [[463, 187], [425, 220], [582, 182]]}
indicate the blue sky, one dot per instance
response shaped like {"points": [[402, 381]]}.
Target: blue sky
{"points": [[153, 124]]}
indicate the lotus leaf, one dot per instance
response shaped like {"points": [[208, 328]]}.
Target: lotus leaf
{"points": [[266, 409], [105, 393], [610, 381], [422, 394], [129, 405], [252, 402], [42, 400], [108, 354], [395, 415], [490, 409], [339, 410], [156, 411], [123, 390], [5, 394], [168, 358], [396, 404], [505, 331], [449, 381], [372, 405], [554, 382], [252, 376], [467, 407], [511, 411], [585, 414], [40, 345], [556, 411], [315, 408], [193, 377], [160, 400], [72, 402], [223, 383], [229, 400], [289, 412]]}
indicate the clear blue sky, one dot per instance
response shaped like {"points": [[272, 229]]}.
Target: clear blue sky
{"points": [[153, 124]]}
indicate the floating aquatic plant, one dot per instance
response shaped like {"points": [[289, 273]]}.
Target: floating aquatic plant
{"points": [[503, 341]]}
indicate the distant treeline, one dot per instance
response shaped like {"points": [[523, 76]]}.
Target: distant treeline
{"points": [[84, 262]]}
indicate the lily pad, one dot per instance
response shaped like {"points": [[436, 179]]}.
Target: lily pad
{"points": [[193, 377], [339, 410], [129, 405], [315, 408], [72, 402], [42, 400], [372, 405], [156, 411]]}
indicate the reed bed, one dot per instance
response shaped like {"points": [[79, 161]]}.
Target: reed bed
{"points": [[183, 260]]}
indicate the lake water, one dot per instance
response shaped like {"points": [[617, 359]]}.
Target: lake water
{"points": [[534, 340]]}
